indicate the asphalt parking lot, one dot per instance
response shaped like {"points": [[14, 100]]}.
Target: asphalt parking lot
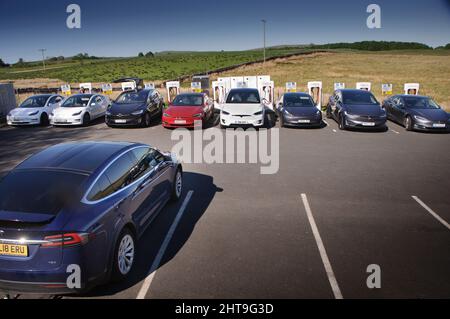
{"points": [[340, 202]]}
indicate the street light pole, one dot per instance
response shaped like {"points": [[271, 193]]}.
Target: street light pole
{"points": [[43, 56], [264, 32]]}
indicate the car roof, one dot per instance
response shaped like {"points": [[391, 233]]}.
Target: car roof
{"points": [[296, 93], [244, 89], [409, 95], [90, 95], [83, 157], [352, 91]]}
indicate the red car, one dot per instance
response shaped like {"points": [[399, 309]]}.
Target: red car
{"points": [[188, 108]]}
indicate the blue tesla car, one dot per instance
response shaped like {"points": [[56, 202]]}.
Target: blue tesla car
{"points": [[80, 206]]}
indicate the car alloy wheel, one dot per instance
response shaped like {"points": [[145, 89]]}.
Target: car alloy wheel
{"points": [[147, 120], [408, 123], [178, 186], [342, 122], [125, 255], [86, 119]]}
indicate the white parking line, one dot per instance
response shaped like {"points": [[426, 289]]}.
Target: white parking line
{"points": [[428, 209], [148, 280], [394, 131], [326, 122], [323, 254], [335, 131]]}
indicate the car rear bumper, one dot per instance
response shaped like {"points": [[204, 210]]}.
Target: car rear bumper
{"points": [[66, 121], [183, 122], [251, 120], [23, 121], [123, 121], [302, 122], [374, 124]]}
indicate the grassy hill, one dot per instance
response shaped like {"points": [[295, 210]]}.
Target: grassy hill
{"points": [[163, 66]]}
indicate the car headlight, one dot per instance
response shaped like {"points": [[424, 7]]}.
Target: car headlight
{"points": [[167, 115], [258, 113], [33, 113], [421, 119], [225, 113], [140, 112], [197, 115], [78, 113], [108, 113], [287, 113]]}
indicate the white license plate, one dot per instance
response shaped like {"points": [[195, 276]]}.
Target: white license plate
{"points": [[120, 121], [304, 121], [180, 121], [240, 122], [61, 121], [439, 125], [368, 124]]}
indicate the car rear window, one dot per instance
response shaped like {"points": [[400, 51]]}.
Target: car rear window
{"points": [[39, 191], [243, 97]]}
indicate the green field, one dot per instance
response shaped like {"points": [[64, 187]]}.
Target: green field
{"points": [[163, 66]]}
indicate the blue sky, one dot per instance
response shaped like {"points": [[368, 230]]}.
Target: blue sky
{"points": [[125, 28]]}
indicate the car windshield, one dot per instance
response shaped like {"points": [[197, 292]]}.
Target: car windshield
{"points": [[188, 100], [298, 101], [77, 101], [243, 97], [34, 101], [39, 191], [363, 97], [420, 103], [132, 97]]}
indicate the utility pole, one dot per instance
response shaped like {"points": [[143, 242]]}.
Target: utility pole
{"points": [[43, 56], [264, 32]]}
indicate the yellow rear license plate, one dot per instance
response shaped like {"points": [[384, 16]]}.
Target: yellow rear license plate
{"points": [[13, 250]]}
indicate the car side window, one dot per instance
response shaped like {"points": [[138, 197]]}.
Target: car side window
{"points": [[119, 173], [101, 189]]}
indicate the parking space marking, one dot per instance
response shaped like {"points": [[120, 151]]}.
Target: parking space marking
{"points": [[428, 209], [323, 254], [394, 131], [335, 131], [148, 280], [326, 122]]}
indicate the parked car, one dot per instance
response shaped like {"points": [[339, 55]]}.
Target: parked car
{"points": [[417, 113], [242, 107], [299, 110], [135, 108], [356, 109], [80, 109], [83, 204], [188, 108], [35, 110]]}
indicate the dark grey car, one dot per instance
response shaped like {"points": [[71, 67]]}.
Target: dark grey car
{"points": [[298, 110], [417, 113], [356, 109]]}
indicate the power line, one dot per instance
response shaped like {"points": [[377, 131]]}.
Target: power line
{"points": [[43, 56], [264, 33]]}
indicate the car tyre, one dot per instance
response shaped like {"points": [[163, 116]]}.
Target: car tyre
{"points": [[328, 113], [408, 123], [342, 125], [124, 255], [86, 119], [44, 120], [177, 188], [146, 120]]}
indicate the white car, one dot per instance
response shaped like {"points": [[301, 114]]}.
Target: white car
{"points": [[35, 110], [242, 107], [80, 109]]}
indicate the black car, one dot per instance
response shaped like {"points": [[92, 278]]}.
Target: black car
{"points": [[299, 110], [352, 108], [135, 108], [417, 113]]}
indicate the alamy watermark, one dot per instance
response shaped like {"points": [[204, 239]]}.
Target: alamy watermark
{"points": [[230, 146], [374, 19], [73, 20]]}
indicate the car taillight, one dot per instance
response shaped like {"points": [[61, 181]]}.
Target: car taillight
{"points": [[65, 240]]}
